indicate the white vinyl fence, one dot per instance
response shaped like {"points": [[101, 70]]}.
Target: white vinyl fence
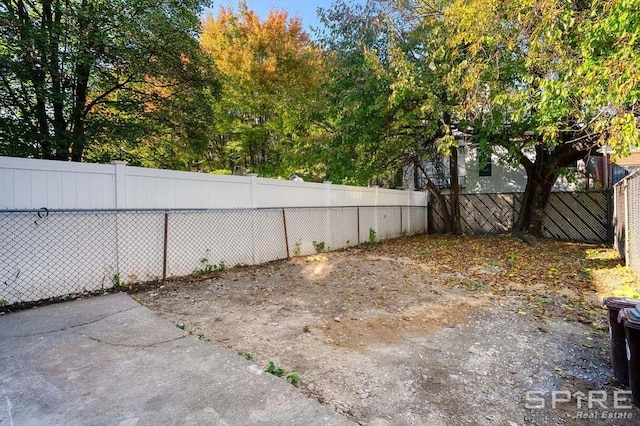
{"points": [[33, 184], [70, 228]]}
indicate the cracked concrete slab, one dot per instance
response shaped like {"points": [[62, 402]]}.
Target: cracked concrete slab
{"points": [[109, 361]]}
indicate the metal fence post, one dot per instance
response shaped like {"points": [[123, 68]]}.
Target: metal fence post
{"points": [[165, 245], [358, 223], [286, 234], [626, 222], [610, 213], [327, 203]]}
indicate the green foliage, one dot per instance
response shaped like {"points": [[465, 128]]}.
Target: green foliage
{"points": [[538, 84], [293, 378], [297, 248], [3, 303], [248, 356], [181, 326], [117, 281], [372, 236], [206, 267], [318, 246], [95, 80], [271, 368], [269, 70]]}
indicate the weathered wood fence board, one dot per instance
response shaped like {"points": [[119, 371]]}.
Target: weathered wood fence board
{"points": [[582, 216], [577, 216]]}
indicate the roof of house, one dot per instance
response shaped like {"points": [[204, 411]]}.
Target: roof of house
{"points": [[631, 160]]}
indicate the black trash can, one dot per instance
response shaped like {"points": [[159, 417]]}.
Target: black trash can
{"points": [[617, 336], [632, 333]]}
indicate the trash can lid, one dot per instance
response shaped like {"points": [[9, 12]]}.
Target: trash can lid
{"points": [[620, 302], [632, 316]]}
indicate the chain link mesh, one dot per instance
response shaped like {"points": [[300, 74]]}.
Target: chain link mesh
{"points": [[618, 218], [626, 220], [50, 254], [633, 225]]}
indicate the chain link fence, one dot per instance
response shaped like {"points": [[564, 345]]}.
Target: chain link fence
{"points": [[626, 220], [49, 254]]}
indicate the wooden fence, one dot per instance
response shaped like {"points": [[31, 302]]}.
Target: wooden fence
{"points": [[576, 216]]}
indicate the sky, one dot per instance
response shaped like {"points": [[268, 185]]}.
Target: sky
{"points": [[305, 9]]}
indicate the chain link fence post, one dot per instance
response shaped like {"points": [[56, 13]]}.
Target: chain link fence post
{"points": [[286, 232]]}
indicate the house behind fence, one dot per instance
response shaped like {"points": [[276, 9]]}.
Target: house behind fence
{"points": [[71, 228], [626, 220]]}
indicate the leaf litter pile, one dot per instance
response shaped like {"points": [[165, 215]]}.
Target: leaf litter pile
{"points": [[422, 330]]}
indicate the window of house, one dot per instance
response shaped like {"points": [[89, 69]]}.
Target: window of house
{"points": [[484, 162]]}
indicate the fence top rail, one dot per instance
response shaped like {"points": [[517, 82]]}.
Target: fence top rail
{"points": [[186, 210], [591, 191], [628, 177]]}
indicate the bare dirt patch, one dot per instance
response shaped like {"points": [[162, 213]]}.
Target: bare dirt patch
{"points": [[424, 330]]}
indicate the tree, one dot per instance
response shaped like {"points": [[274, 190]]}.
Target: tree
{"points": [[427, 94], [269, 71], [391, 99], [74, 72], [524, 67]]}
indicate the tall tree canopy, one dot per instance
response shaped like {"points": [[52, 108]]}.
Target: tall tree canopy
{"points": [[550, 82], [78, 73], [388, 84], [546, 82], [270, 71]]}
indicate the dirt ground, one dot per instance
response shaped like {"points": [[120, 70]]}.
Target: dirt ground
{"points": [[430, 330]]}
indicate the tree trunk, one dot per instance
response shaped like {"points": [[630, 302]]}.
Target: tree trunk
{"points": [[52, 17], [442, 201], [455, 192], [536, 196], [78, 114], [541, 176], [33, 46]]}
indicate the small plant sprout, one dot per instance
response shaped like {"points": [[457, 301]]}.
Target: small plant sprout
{"points": [[297, 248], [180, 326], [294, 379], [200, 336], [206, 267], [248, 356], [372, 236], [271, 368], [117, 281]]}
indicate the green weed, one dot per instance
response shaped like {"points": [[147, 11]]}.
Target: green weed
{"points": [[271, 368], [206, 267], [294, 379], [319, 246], [297, 249], [372, 236]]}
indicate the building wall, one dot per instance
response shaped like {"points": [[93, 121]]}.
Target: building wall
{"points": [[504, 177]]}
